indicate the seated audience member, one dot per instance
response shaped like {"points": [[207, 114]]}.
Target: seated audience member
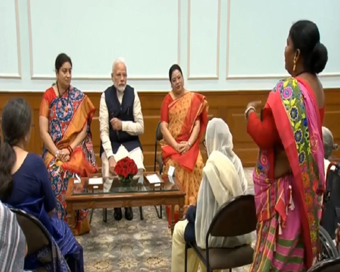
{"points": [[12, 242], [223, 179], [25, 184], [184, 117], [121, 123], [329, 146], [64, 121]]}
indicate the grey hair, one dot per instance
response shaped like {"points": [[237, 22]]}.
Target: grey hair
{"points": [[118, 60], [328, 142]]}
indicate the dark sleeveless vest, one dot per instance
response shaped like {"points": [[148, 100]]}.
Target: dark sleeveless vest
{"points": [[124, 112]]}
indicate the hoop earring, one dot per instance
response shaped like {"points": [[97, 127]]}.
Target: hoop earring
{"points": [[294, 62]]}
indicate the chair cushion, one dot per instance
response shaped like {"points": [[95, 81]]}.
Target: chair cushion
{"points": [[225, 258]]}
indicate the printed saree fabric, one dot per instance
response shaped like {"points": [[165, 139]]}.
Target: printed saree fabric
{"points": [[182, 114], [67, 115], [289, 208]]}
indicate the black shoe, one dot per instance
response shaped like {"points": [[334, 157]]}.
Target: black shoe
{"points": [[118, 214], [128, 214]]}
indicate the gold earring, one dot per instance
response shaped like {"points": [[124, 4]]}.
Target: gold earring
{"points": [[294, 61]]}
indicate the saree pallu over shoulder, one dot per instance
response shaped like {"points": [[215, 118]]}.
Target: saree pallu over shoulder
{"points": [[65, 125], [183, 112], [293, 198]]}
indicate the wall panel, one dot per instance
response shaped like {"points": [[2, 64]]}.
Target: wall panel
{"points": [[221, 45], [10, 61], [229, 106]]}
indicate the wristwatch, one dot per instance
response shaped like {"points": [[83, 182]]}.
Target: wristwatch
{"points": [[57, 153]]}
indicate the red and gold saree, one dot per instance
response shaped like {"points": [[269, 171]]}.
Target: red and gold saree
{"points": [[181, 114]]}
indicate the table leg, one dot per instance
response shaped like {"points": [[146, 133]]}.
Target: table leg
{"points": [[180, 214], [71, 218], [105, 215]]}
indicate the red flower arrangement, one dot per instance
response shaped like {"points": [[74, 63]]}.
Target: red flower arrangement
{"points": [[126, 169]]}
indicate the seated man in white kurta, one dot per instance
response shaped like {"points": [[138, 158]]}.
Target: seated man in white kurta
{"points": [[121, 123]]}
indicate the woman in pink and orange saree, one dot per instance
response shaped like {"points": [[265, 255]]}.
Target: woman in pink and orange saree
{"points": [[289, 174], [64, 120], [184, 118]]}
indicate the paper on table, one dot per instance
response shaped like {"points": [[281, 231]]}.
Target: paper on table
{"points": [[93, 181], [171, 179], [153, 179], [77, 179], [171, 171]]}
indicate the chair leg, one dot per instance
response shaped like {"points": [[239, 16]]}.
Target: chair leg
{"points": [[91, 216], [141, 213], [105, 215], [160, 212]]}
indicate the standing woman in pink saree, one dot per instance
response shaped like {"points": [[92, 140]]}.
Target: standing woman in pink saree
{"points": [[289, 174], [184, 119]]}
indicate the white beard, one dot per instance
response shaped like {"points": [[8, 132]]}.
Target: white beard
{"points": [[121, 88]]}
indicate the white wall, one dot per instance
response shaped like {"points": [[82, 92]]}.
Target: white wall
{"points": [[220, 44]]}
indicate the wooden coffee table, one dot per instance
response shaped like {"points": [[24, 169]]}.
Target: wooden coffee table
{"points": [[112, 193]]}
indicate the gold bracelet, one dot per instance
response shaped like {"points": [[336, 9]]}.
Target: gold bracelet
{"points": [[246, 113]]}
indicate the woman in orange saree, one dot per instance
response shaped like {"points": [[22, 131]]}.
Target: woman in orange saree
{"points": [[184, 118], [65, 118]]}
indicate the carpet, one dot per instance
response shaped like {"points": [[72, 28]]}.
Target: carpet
{"points": [[131, 246]]}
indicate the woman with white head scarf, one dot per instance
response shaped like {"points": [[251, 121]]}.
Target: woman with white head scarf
{"points": [[223, 179], [218, 137]]}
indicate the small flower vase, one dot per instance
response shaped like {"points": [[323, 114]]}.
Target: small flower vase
{"points": [[126, 181]]}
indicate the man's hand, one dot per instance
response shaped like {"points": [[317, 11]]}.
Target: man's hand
{"points": [[116, 124], [112, 165]]}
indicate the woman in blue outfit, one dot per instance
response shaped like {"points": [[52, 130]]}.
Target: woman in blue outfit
{"points": [[24, 184]]}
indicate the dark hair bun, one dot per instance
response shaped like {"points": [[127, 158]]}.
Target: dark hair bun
{"points": [[319, 58]]}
